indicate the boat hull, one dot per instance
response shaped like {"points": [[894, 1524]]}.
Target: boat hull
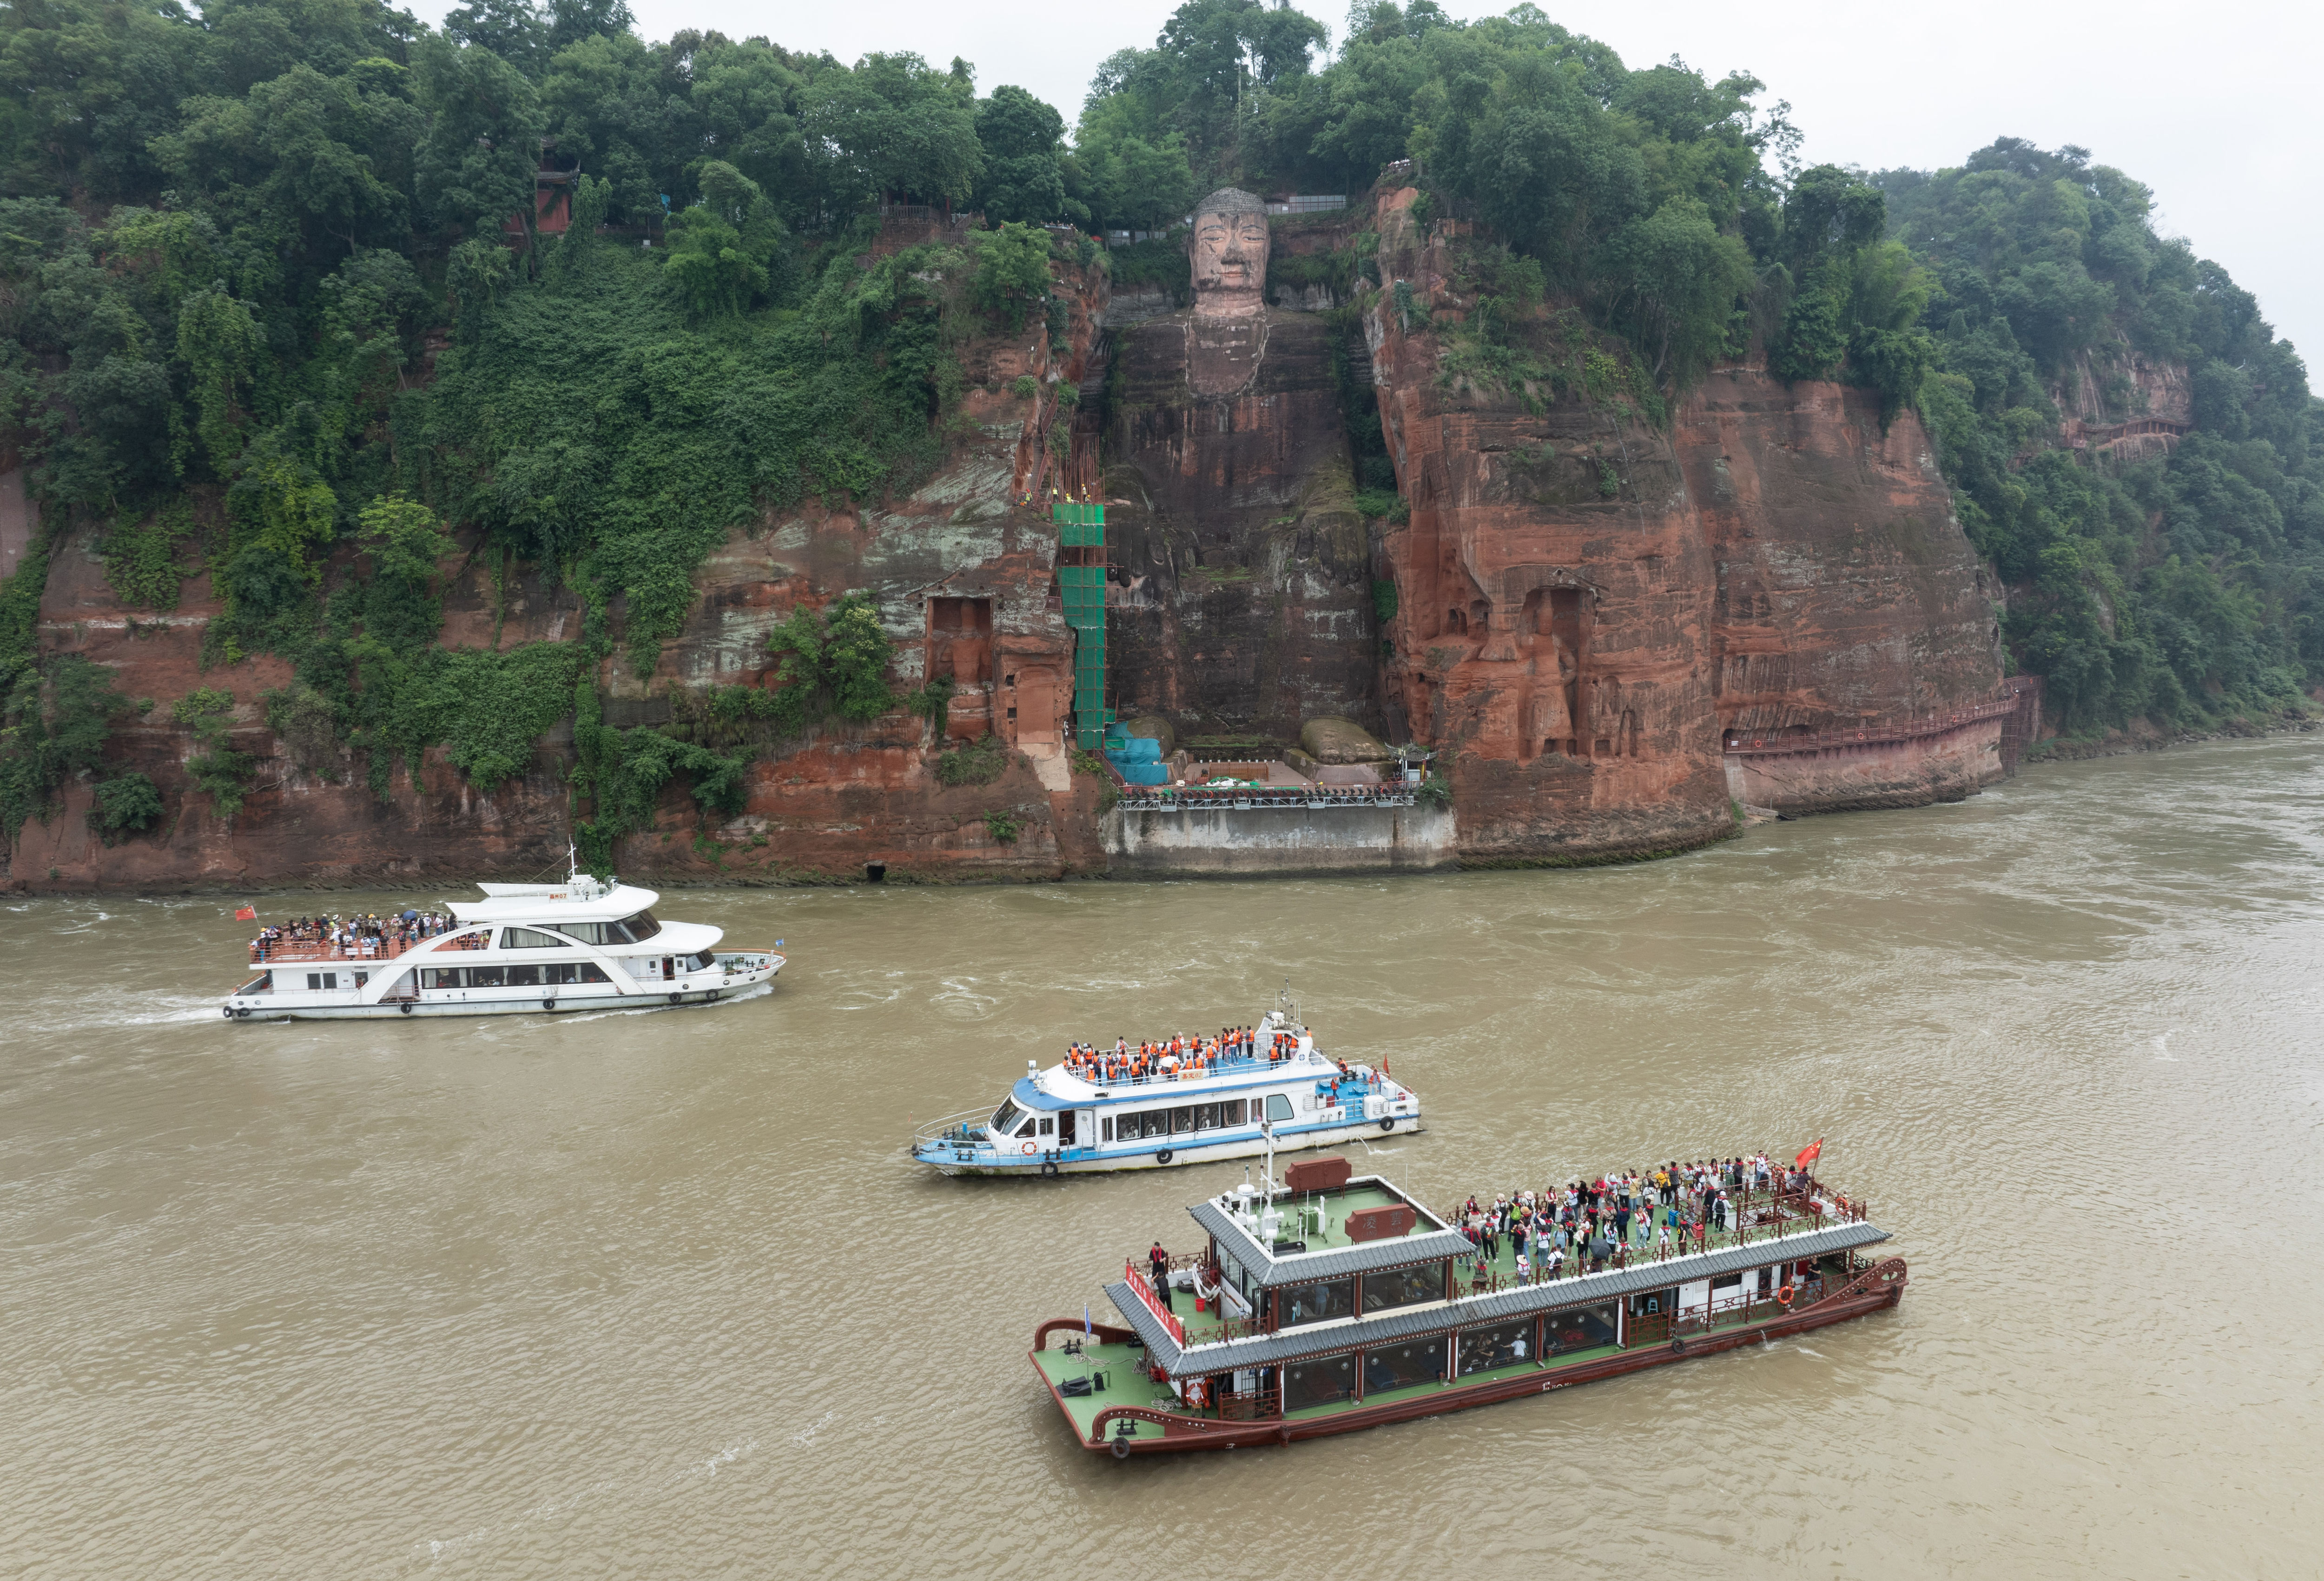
{"points": [[1252, 1146], [529, 1004], [1204, 1434]]}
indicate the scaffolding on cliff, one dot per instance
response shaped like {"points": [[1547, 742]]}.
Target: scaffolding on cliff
{"points": [[1081, 581]]}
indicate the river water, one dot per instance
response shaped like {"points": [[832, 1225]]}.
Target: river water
{"points": [[656, 1293]]}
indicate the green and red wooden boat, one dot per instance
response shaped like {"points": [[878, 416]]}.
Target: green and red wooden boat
{"points": [[1348, 1304]]}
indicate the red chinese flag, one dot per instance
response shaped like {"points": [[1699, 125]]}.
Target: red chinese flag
{"points": [[246, 914], [1810, 1153]]}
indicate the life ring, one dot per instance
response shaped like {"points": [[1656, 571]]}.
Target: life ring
{"points": [[1389, 1124], [1030, 1149], [1784, 1296], [1163, 1156], [1122, 1448], [1198, 1394], [1049, 1168]]}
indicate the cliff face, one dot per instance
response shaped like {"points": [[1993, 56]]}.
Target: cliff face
{"points": [[1585, 602]]}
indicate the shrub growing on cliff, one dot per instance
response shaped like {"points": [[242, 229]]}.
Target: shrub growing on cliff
{"points": [[127, 804], [980, 762], [834, 662], [54, 722]]}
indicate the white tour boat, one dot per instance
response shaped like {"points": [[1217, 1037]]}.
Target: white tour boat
{"points": [[1116, 1112], [578, 945]]}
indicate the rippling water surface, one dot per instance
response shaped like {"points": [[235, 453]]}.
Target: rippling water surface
{"points": [[657, 1294]]}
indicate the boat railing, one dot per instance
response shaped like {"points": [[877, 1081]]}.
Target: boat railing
{"points": [[294, 951], [1141, 1284], [965, 1128]]}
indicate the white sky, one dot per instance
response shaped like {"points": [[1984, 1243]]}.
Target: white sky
{"points": [[2211, 103]]}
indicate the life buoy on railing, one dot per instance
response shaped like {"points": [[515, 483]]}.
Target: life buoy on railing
{"points": [[1029, 1150], [1784, 1296], [1198, 1394]]}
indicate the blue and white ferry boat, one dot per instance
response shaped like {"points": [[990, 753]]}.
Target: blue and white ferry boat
{"points": [[1106, 1109]]}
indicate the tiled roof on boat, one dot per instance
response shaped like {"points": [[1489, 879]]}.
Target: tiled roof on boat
{"points": [[1306, 1267], [1586, 1290]]}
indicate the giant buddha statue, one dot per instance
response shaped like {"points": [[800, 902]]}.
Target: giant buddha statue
{"points": [[1247, 565]]}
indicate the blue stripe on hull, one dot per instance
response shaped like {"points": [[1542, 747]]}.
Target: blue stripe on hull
{"points": [[1291, 1139]]}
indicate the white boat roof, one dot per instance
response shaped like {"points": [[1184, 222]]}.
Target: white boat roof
{"points": [[583, 900]]}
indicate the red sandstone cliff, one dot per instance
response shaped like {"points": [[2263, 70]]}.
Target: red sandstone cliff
{"points": [[1585, 602]]}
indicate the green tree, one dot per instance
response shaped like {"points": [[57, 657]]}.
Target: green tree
{"points": [[1022, 139], [1012, 272], [476, 163], [893, 126]]}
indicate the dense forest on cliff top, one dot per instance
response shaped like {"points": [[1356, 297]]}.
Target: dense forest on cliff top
{"points": [[270, 294]]}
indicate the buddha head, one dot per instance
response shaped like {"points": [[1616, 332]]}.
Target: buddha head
{"points": [[1229, 254]]}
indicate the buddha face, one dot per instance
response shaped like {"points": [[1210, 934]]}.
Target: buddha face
{"points": [[1229, 264]]}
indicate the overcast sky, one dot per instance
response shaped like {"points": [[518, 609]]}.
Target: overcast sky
{"points": [[2212, 104]]}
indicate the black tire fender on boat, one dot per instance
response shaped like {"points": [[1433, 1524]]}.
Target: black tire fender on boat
{"points": [[1163, 1156], [674, 999], [405, 1006], [1389, 1124], [549, 1003], [229, 1012], [1049, 1168], [1122, 1448], [1678, 1347]]}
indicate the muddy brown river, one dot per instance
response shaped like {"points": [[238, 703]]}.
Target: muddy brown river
{"points": [[657, 1294]]}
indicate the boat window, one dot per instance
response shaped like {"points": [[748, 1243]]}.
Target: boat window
{"points": [[1049, 1126], [530, 939], [1403, 1287], [1105, 1128], [641, 926], [1025, 1129], [1005, 1117], [1278, 1107], [1206, 1116], [322, 979], [1404, 1366], [1182, 1119], [439, 976], [1578, 1328], [486, 977], [701, 962], [1500, 1345], [257, 985], [1324, 1381], [1237, 1113], [1315, 1303], [1157, 1122], [523, 977]]}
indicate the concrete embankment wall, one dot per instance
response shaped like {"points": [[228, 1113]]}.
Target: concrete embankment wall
{"points": [[1280, 839], [1944, 766]]}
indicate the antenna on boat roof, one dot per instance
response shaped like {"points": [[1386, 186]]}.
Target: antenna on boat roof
{"points": [[1287, 1007]]}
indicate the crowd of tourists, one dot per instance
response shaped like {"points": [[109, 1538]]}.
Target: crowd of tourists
{"points": [[1180, 1057], [364, 933], [1615, 1219]]}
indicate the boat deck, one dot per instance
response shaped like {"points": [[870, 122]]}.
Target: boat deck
{"points": [[1127, 1383]]}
